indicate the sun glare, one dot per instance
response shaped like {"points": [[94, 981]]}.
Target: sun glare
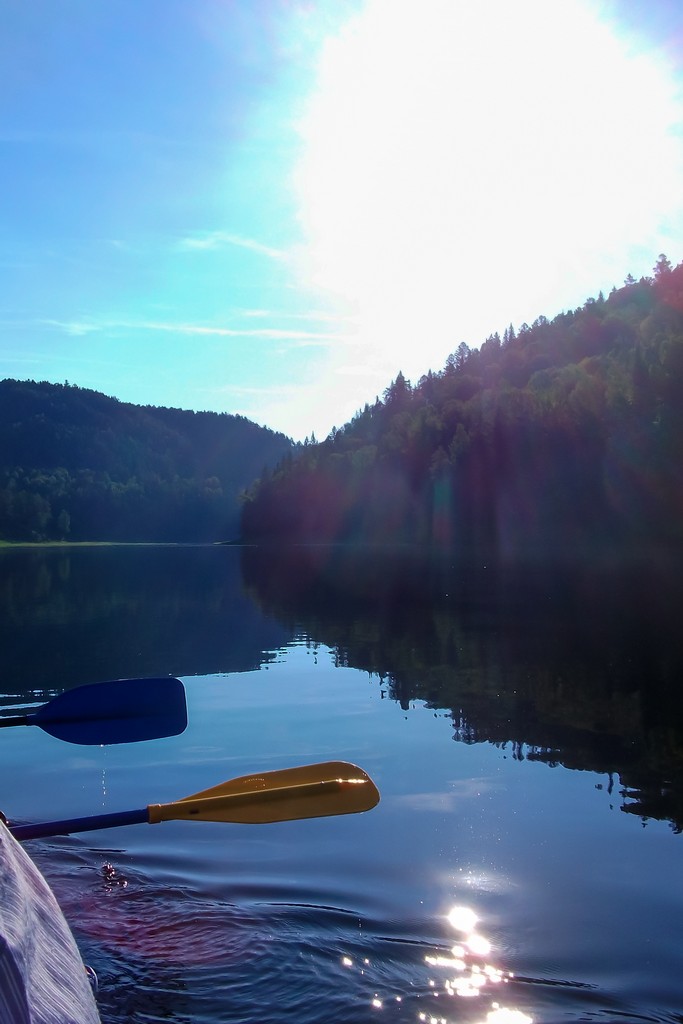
{"points": [[468, 165]]}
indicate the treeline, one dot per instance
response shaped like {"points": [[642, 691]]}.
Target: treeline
{"points": [[78, 465], [559, 436]]}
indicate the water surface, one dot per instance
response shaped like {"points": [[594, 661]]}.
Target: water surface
{"points": [[524, 861]]}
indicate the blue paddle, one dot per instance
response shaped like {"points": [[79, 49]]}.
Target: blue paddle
{"points": [[119, 711]]}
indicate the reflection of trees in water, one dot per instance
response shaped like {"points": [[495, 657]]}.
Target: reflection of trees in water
{"points": [[70, 616], [577, 667]]}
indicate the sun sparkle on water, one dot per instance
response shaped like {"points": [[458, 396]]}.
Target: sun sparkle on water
{"points": [[468, 165]]}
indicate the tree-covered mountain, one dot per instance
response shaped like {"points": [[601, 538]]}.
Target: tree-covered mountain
{"points": [[562, 436], [78, 465]]}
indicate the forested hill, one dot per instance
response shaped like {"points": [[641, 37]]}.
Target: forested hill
{"points": [[77, 465], [563, 436]]}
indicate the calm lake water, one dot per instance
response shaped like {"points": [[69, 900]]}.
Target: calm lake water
{"points": [[525, 730]]}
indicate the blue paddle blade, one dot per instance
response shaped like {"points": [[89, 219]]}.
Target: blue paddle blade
{"points": [[119, 711]]}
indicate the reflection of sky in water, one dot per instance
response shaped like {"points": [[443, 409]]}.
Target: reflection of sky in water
{"points": [[457, 823]]}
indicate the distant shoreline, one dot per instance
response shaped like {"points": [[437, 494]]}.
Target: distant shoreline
{"points": [[5, 544]]}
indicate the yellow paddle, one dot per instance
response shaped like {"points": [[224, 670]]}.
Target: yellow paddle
{"points": [[310, 791]]}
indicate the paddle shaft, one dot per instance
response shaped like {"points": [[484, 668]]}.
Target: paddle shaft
{"points": [[16, 720], [34, 719], [179, 810], [42, 829]]}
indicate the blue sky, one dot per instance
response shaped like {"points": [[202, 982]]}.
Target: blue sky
{"points": [[271, 207]]}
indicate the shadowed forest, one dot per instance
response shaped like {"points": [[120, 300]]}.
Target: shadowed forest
{"points": [[78, 465], [560, 438]]}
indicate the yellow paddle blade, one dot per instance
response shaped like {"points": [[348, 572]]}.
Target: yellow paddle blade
{"points": [[311, 791]]}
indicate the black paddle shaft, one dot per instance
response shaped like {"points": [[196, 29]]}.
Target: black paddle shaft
{"points": [[15, 720]]}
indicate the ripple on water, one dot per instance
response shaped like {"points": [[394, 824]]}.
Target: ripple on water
{"points": [[170, 953]]}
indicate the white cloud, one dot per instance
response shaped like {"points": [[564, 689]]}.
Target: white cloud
{"points": [[318, 316], [269, 333], [298, 337], [219, 239], [447, 800], [75, 328]]}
